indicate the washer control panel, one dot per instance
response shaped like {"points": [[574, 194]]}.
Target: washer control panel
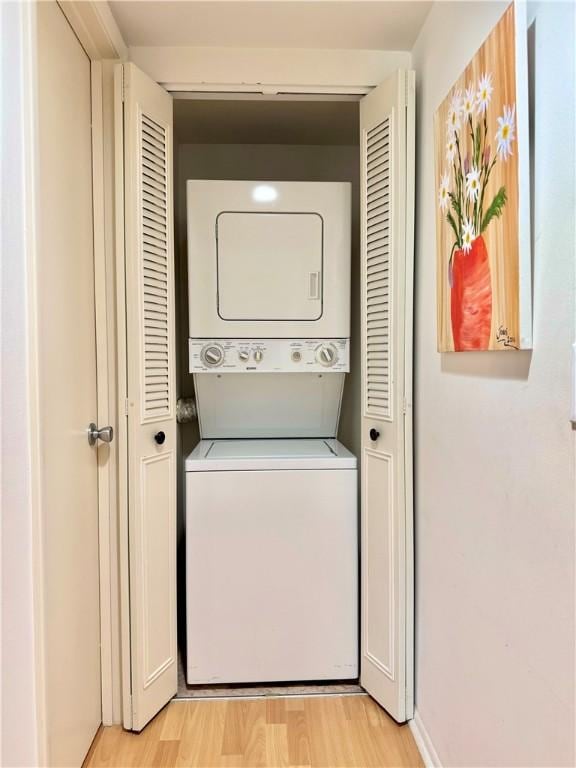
{"points": [[269, 355]]}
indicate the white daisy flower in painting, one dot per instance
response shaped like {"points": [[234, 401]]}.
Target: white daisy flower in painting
{"points": [[468, 102], [443, 192], [456, 101], [468, 236], [451, 149], [505, 132], [454, 112], [484, 93], [473, 183]]}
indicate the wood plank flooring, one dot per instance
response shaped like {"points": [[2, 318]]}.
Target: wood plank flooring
{"points": [[313, 732]]}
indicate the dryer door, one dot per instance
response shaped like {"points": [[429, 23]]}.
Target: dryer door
{"points": [[269, 265]]}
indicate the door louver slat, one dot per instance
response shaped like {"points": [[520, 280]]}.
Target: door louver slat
{"points": [[154, 196], [154, 237], [378, 224]]}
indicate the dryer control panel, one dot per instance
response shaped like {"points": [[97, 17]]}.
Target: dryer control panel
{"points": [[269, 355]]}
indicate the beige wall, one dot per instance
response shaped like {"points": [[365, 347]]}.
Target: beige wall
{"points": [[495, 448], [19, 694], [266, 162]]}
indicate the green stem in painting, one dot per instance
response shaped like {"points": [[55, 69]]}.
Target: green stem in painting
{"points": [[485, 175], [479, 226], [450, 261], [495, 208], [454, 226], [462, 193]]}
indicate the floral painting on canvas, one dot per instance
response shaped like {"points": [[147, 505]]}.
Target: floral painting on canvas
{"points": [[482, 198]]}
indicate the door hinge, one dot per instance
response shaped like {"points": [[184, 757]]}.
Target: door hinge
{"points": [[125, 406]]}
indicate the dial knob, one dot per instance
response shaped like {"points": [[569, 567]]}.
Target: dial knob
{"points": [[213, 355], [258, 356], [243, 355], [326, 355]]}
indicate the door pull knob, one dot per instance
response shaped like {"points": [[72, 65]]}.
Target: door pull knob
{"points": [[374, 434], [159, 437], [106, 434]]}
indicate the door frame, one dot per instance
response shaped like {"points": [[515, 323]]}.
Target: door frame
{"points": [[107, 49], [236, 93]]}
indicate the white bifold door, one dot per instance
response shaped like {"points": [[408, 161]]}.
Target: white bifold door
{"points": [[146, 292], [387, 209], [149, 541]]}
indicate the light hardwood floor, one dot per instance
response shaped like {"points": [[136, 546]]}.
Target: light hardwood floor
{"points": [[323, 732]]}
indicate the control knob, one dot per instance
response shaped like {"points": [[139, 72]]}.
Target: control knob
{"points": [[327, 355], [258, 356], [212, 355], [243, 355]]}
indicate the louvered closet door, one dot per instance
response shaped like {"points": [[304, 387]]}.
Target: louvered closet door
{"points": [[387, 205], [149, 272]]}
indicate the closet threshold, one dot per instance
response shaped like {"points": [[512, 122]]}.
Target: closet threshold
{"points": [[270, 691]]}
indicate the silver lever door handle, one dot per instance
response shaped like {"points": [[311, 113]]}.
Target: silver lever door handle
{"points": [[106, 434]]}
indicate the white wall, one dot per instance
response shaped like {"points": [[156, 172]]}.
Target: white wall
{"points": [[19, 726], [494, 446]]}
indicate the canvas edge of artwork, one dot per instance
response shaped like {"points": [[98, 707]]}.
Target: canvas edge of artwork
{"points": [[439, 260], [524, 190]]}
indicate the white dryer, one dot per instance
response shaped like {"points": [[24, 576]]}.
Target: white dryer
{"points": [[268, 259], [272, 561], [269, 296]]}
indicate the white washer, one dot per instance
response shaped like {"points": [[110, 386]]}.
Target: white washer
{"points": [[272, 561]]}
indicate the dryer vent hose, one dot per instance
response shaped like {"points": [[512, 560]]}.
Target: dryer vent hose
{"points": [[186, 410]]}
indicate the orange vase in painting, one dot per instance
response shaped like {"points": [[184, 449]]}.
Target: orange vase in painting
{"points": [[471, 298]]}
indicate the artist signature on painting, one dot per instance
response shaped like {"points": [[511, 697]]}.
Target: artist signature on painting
{"points": [[504, 338]]}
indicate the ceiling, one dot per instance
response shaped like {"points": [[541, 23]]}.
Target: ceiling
{"points": [[254, 121], [343, 24]]}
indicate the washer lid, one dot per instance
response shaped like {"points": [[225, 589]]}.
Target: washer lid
{"points": [[219, 455]]}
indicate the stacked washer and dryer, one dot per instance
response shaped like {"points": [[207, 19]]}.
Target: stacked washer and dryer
{"points": [[271, 495]]}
